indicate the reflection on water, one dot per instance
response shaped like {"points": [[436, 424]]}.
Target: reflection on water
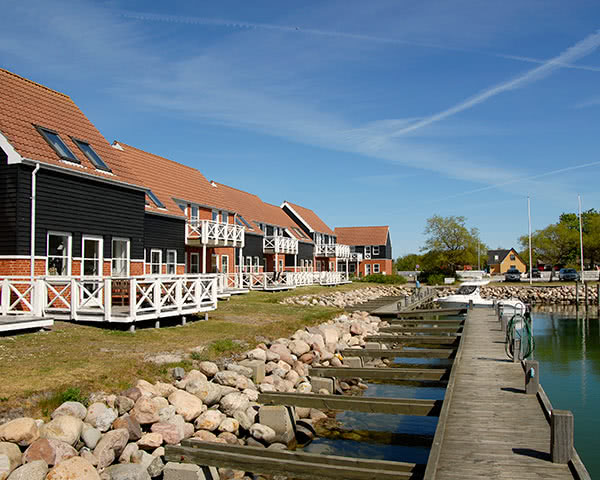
{"points": [[568, 349]]}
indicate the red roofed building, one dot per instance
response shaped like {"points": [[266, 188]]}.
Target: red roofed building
{"points": [[371, 249]]}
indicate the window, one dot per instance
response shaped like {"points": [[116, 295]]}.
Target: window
{"points": [[215, 215], [513, 258], [171, 262], [154, 199], [57, 144], [214, 264], [155, 261], [91, 155], [194, 263], [58, 250], [367, 269], [225, 263], [375, 268], [224, 217], [256, 264], [368, 250], [280, 269], [92, 256], [241, 221], [194, 213], [249, 264], [331, 266], [120, 257], [496, 258], [352, 268], [375, 249]]}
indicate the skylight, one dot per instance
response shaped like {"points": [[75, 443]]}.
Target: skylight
{"points": [[154, 199], [91, 155], [243, 220], [57, 144]]}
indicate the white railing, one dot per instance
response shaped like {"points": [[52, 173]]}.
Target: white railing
{"points": [[98, 298], [356, 257], [278, 244], [332, 250], [215, 233]]}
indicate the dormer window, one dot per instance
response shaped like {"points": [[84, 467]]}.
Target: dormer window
{"points": [[91, 155], [154, 198], [57, 144]]}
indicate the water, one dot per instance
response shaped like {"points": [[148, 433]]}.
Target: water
{"points": [[568, 349]]}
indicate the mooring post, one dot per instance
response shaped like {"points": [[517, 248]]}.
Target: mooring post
{"points": [[504, 321], [470, 304], [516, 350], [561, 436], [532, 377], [585, 290], [577, 293], [183, 320]]}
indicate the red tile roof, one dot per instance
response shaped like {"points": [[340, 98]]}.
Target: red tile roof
{"points": [[362, 235], [24, 103], [169, 180], [311, 218]]}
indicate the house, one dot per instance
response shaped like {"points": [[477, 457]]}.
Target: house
{"points": [[370, 248], [327, 251], [499, 261]]}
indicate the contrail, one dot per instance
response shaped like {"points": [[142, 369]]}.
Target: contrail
{"points": [[337, 34], [579, 50]]}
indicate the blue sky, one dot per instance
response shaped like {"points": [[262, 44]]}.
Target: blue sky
{"points": [[370, 113]]}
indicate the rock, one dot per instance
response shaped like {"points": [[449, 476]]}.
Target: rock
{"points": [[232, 379], [171, 433], [90, 435], [75, 468], [205, 436], [126, 471], [356, 328], [100, 416], [251, 394], [22, 431], [263, 433], [330, 335], [316, 414], [278, 418], [208, 368], [10, 459], [292, 377], [283, 352], [230, 425], [110, 446], [209, 420], [146, 410], [74, 409], [146, 388], [266, 388], [208, 392], [234, 401], [159, 452], [50, 450], [156, 466], [150, 441], [64, 428], [35, 470], [299, 347], [178, 373], [188, 406], [243, 419], [239, 369], [229, 438], [307, 358], [304, 387], [183, 471], [127, 452], [191, 375], [257, 354], [133, 393], [272, 356], [164, 389], [130, 424], [124, 404]]}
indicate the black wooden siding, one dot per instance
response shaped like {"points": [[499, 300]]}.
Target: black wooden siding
{"points": [[297, 221], [165, 233], [253, 247], [305, 252], [14, 210]]}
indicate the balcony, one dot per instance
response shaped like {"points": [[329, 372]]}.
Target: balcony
{"points": [[207, 232], [280, 245], [332, 250], [356, 257]]}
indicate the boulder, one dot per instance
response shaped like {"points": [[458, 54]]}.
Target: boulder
{"points": [[123, 404], [205, 436], [74, 409], [232, 379], [130, 424], [64, 428], [22, 431], [278, 418], [191, 375], [146, 410], [257, 354], [229, 438], [127, 452], [230, 425], [243, 419], [234, 401], [164, 389], [240, 369], [283, 352], [51, 451], [90, 435], [187, 405], [167, 413], [209, 420], [263, 433], [110, 446], [10, 459], [100, 416], [210, 393], [88, 455], [146, 388], [208, 368], [75, 468], [150, 441], [36, 470], [299, 347], [125, 471], [171, 433]]}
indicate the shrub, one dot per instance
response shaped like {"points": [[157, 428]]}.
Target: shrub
{"points": [[435, 279], [380, 278]]}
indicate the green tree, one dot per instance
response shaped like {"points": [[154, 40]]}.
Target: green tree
{"points": [[408, 262], [555, 245], [452, 242]]}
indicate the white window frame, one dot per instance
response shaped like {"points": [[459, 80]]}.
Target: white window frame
{"points": [[331, 266], [174, 265], [375, 249], [225, 265], [376, 268], [152, 264], [69, 255], [367, 269], [194, 218], [256, 264], [281, 265], [224, 217], [214, 263], [368, 250], [100, 259], [215, 216], [196, 263], [112, 254]]}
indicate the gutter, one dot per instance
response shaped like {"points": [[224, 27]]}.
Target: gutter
{"points": [[32, 239]]}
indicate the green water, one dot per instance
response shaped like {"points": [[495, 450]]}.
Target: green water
{"points": [[568, 349]]}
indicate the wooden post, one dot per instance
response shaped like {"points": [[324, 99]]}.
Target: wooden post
{"points": [[532, 377], [561, 436], [470, 304], [585, 290], [516, 350], [577, 293], [504, 321]]}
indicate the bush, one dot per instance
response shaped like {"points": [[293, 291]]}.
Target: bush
{"points": [[435, 279], [380, 278]]}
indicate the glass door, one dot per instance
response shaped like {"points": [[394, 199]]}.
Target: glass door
{"points": [[91, 293]]}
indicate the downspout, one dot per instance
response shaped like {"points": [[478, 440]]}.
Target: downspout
{"points": [[32, 240]]}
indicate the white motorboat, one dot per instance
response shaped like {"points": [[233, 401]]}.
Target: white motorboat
{"points": [[470, 292]]}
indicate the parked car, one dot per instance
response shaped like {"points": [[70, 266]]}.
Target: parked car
{"points": [[512, 275], [568, 275], [535, 273]]}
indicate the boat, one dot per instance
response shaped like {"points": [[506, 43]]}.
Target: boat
{"points": [[470, 292]]}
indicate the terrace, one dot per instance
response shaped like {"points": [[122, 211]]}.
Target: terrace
{"points": [[208, 232]]}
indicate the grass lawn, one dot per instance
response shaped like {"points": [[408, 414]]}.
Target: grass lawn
{"points": [[36, 368]]}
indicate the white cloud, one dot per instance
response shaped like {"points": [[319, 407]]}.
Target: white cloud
{"points": [[590, 102]]}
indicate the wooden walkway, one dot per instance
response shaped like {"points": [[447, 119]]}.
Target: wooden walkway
{"points": [[488, 427]]}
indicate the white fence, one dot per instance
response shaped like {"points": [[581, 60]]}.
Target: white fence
{"points": [[127, 299], [280, 244], [332, 250], [215, 233]]}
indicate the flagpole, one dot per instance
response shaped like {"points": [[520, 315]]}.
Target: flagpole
{"points": [[530, 254], [580, 236]]}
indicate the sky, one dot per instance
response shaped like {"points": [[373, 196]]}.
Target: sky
{"points": [[370, 113]]}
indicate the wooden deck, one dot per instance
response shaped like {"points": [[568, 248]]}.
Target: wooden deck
{"points": [[13, 323], [488, 427]]}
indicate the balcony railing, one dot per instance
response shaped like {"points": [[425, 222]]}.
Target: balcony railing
{"points": [[356, 257], [280, 245], [208, 232], [332, 250]]}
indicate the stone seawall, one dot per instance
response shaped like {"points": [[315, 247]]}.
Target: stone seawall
{"points": [[535, 295]]}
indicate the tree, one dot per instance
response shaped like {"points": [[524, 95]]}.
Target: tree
{"points": [[452, 242], [408, 262]]}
